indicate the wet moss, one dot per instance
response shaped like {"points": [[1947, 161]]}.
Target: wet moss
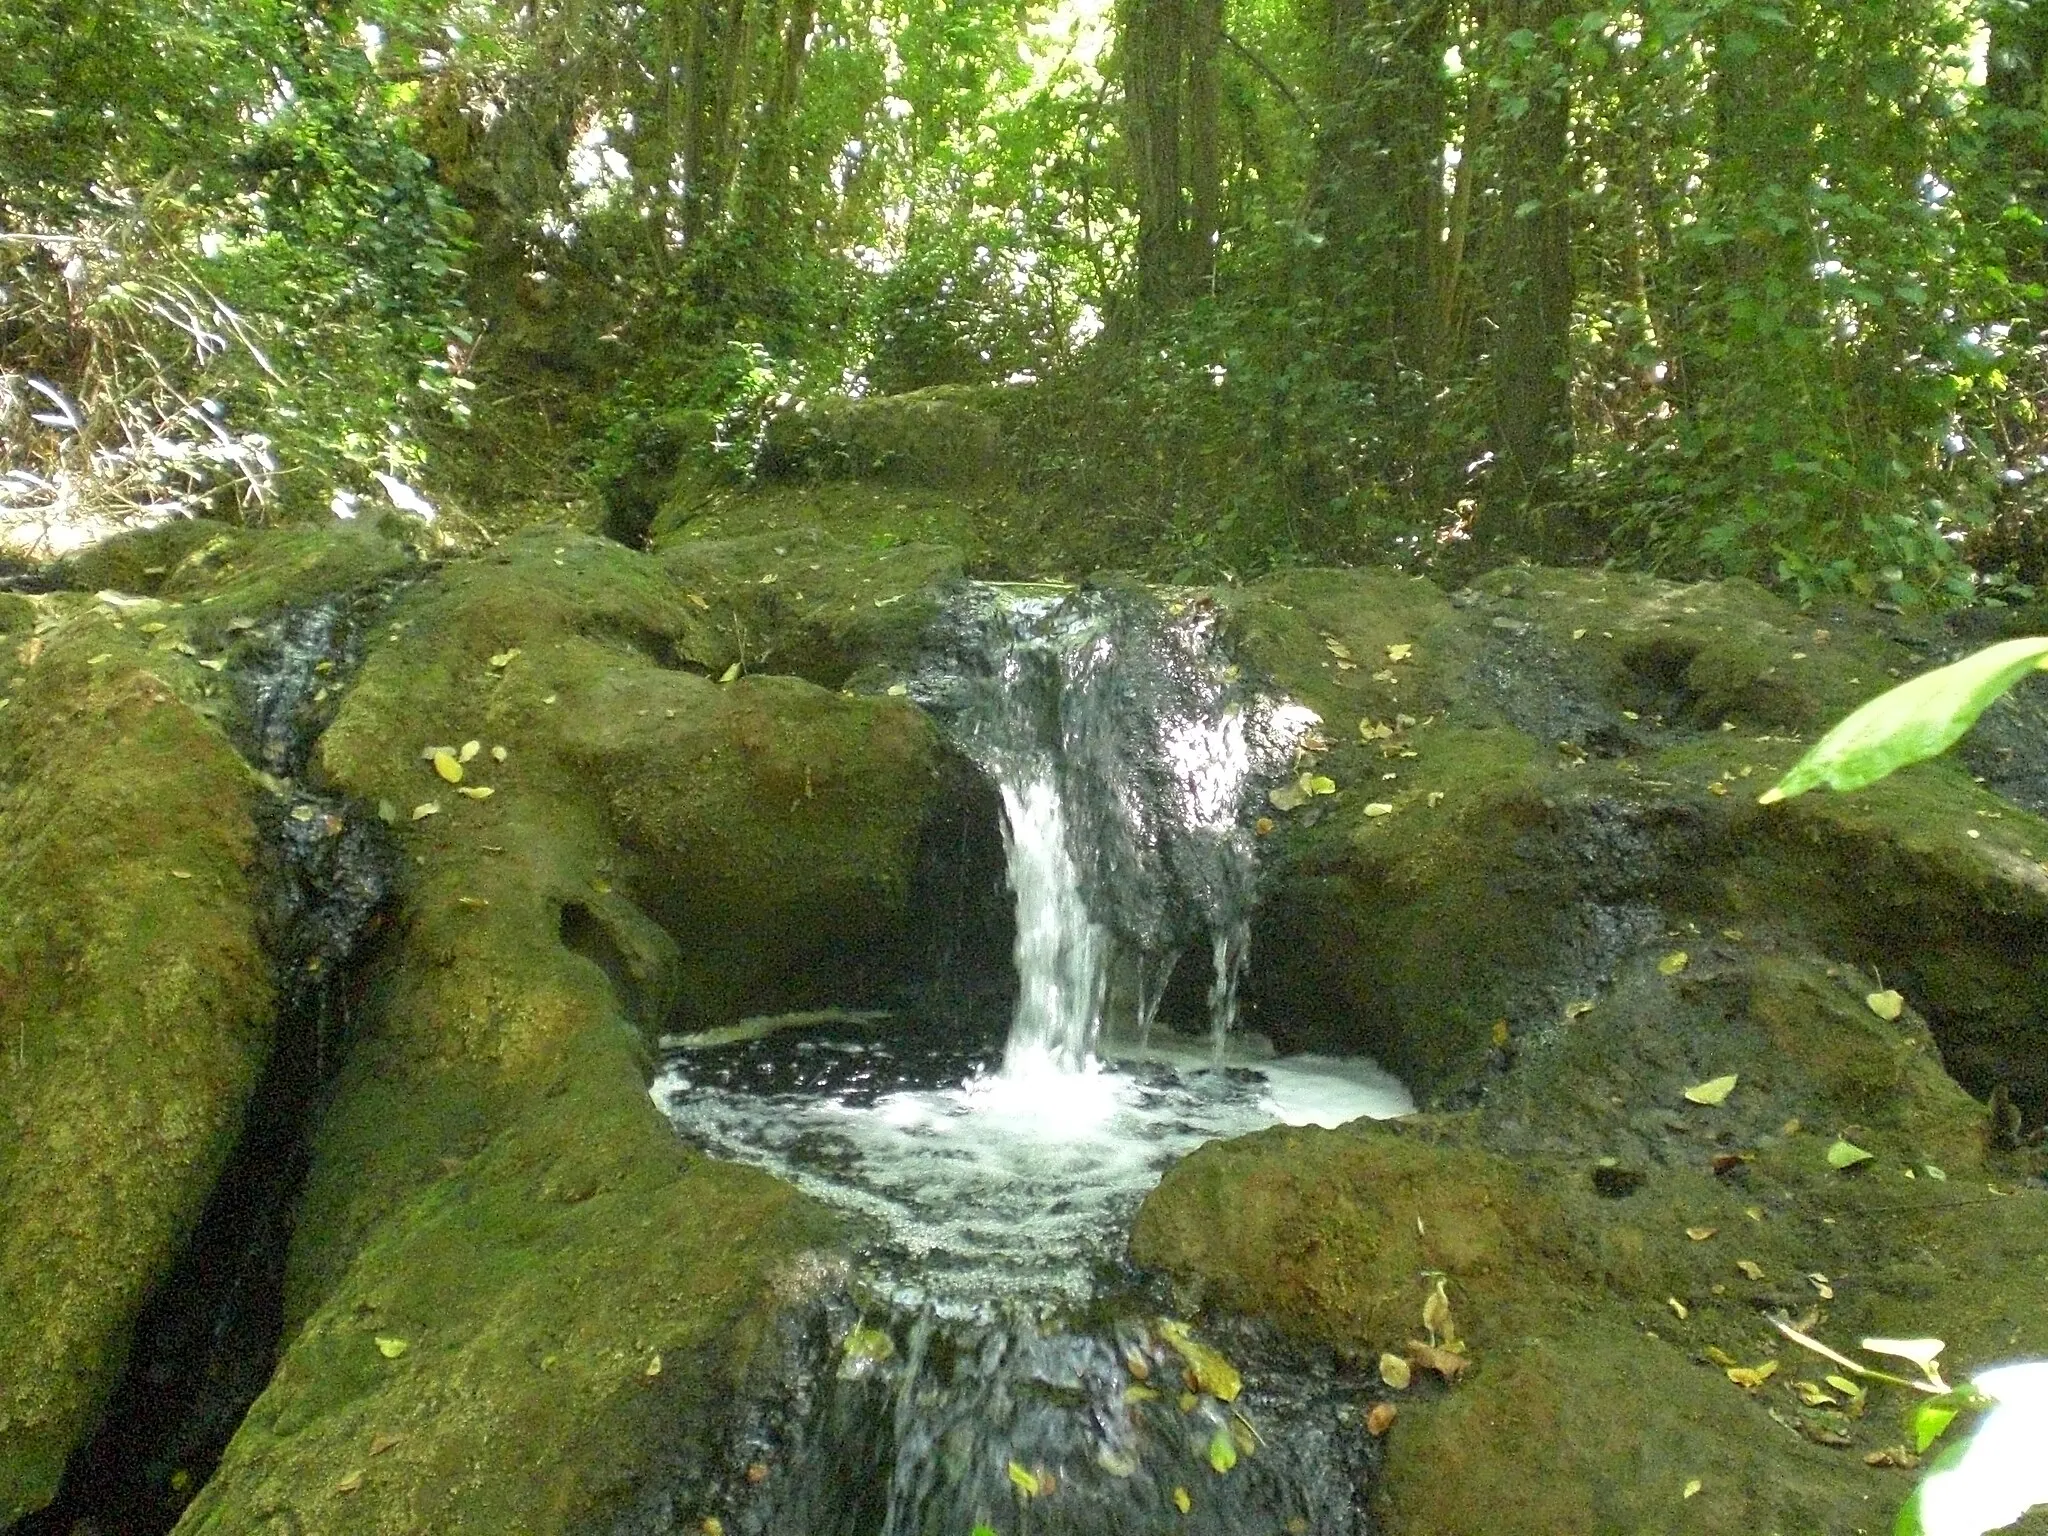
{"points": [[134, 1006], [574, 1298]]}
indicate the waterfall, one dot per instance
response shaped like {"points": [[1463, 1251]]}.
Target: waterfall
{"points": [[1129, 753], [1061, 950]]}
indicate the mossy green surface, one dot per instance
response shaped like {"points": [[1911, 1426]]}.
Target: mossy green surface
{"points": [[574, 1300], [805, 602], [140, 561], [492, 1183], [1594, 1256], [134, 1007], [1579, 766]]}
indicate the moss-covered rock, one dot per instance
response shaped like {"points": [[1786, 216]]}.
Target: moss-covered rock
{"points": [[944, 436], [134, 1006], [1609, 1247], [492, 1184], [140, 561], [1544, 887], [811, 604], [1569, 770]]}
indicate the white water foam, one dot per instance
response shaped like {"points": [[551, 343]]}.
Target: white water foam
{"points": [[1017, 1185]]}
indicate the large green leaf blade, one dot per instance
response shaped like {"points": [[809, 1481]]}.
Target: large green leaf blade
{"points": [[1918, 719]]}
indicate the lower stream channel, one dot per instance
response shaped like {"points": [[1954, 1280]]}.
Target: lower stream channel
{"points": [[989, 1363]]}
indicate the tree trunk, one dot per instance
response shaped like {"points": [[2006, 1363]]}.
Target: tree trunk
{"points": [[1380, 177], [1152, 47], [1530, 264], [1205, 179]]}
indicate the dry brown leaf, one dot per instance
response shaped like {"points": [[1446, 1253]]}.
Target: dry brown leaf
{"points": [[1379, 1418], [1447, 1363]]}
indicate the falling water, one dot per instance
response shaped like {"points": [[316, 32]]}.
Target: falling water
{"points": [[982, 1360], [1061, 949], [1129, 752]]}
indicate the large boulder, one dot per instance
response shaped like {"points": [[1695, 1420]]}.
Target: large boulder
{"points": [[135, 1001], [1544, 892], [1569, 776], [502, 1245]]}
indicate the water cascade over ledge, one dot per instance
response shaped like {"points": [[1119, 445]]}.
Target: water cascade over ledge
{"points": [[990, 1348], [1131, 754]]}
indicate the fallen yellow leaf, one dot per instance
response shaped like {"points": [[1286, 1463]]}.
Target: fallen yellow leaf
{"points": [[1887, 1005], [1714, 1090], [1400, 652], [1673, 963], [391, 1348], [1700, 1234], [1692, 1484], [1395, 1371], [1211, 1372], [1181, 1501], [1750, 1268], [446, 765]]}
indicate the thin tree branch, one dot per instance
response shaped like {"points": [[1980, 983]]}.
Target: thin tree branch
{"points": [[1277, 83]]}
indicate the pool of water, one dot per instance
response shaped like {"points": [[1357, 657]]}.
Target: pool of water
{"points": [[980, 1188]]}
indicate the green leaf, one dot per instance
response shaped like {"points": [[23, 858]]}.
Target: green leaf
{"points": [[1222, 1453], [1714, 1090], [1846, 1154], [1025, 1479], [1914, 721], [1930, 1420]]}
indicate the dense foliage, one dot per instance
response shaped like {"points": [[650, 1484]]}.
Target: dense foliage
{"points": [[1716, 286]]}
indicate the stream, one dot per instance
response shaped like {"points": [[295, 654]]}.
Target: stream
{"points": [[991, 1362]]}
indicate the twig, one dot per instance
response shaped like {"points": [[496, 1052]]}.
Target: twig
{"points": [[1934, 1386], [1277, 83]]}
